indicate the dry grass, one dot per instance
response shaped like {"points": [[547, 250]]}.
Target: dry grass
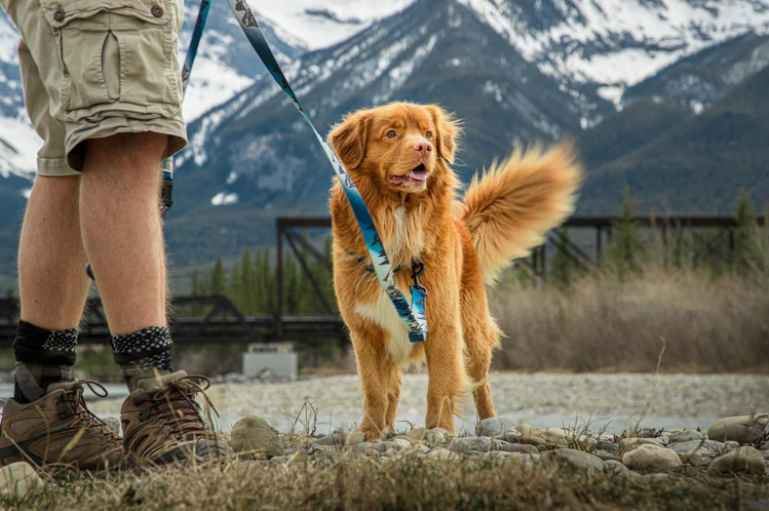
{"points": [[602, 324], [403, 482]]}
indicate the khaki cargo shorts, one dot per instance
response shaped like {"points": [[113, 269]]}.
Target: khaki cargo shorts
{"points": [[96, 68]]}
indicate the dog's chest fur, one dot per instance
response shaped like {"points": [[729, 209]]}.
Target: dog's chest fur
{"points": [[377, 306]]}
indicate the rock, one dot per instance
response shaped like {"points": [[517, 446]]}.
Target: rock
{"points": [[415, 433], [651, 458], [559, 432], [731, 444], [442, 454], [606, 455], [510, 436], [743, 460], [337, 439], [699, 452], [541, 438], [364, 447], [356, 437], [113, 423], [518, 448], [436, 436], [574, 458], [628, 444], [606, 445], [401, 443], [253, 438], [657, 478], [615, 467], [472, 444], [494, 426], [685, 436], [743, 429], [18, 479]]}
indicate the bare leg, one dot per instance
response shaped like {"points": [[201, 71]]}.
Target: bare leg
{"points": [[52, 281], [122, 230]]}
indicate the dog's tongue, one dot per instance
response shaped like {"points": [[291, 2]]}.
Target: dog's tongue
{"points": [[414, 176]]}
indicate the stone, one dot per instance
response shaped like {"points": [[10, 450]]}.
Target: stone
{"points": [[356, 437], [699, 452], [494, 426], [685, 436], [18, 479], [559, 432], [606, 455], [743, 429], [651, 458], [731, 444], [628, 444], [336, 439], [743, 460], [616, 467], [510, 436], [657, 478], [574, 459], [541, 438], [518, 448], [436, 436], [253, 438], [415, 433], [364, 447], [442, 454], [402, 443], [472, 444], [606, 445]]}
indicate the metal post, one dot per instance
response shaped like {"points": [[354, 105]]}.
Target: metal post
{"points": [[279, 308], [598, 242]]}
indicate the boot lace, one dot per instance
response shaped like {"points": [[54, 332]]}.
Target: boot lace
{"points": [[79, 409], [176, 406]]}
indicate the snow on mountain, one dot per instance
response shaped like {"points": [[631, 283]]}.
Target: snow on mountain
{"points": [[324, 23], [617, 43]]}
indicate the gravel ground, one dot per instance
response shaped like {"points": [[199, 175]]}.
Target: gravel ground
{"points": [[542, 400]]}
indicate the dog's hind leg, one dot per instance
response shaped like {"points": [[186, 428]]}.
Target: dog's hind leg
{"points": [[481, 338]]}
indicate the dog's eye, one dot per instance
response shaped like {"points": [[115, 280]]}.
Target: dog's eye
{"points": [[429, 134], [391, 134]]}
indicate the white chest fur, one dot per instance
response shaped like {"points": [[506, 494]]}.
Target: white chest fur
{"points": [[383, 313]]}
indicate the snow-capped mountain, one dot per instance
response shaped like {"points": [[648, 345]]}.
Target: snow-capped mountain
{"points": [[225, 65], [616, 43]]}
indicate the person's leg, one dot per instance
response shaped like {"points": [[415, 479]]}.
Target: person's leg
{"points": [[52, 283], [123, 237]]}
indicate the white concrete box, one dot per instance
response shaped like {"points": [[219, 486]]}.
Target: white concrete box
{"points": [[278, 358]]}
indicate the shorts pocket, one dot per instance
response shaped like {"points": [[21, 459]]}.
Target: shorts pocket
{"points": [[116, 51]]}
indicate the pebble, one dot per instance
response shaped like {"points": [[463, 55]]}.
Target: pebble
{"points": [[574, 458], [494, 426], [541, 438], [518, 448], [18, 479], [651, 458], [616, 467], [403, 444], [628, 444], [472, 444], [743, 460], [113, 423], [699, 452], [436, 436], [442, 454], [606, 445], [511, 436], [336, 439], [685, 436], [253, 438], [356, 437], [742, 429]]}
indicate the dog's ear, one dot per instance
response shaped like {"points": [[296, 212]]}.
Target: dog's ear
{"points": [[448, 129], [348, 138]]}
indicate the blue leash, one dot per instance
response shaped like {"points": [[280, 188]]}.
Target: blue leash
{"points": [[413, 316]]}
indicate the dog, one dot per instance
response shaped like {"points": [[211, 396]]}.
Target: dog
{"points": [[399, 156]]}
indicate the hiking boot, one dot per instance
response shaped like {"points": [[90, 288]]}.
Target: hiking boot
{"points": [[59, 429], [162, 422]]}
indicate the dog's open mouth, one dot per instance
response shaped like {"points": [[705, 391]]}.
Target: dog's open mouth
{"points": [[414, 177]]}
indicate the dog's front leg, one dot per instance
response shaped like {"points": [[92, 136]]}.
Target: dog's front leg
{"points": [[445, 369], [374, 369]]}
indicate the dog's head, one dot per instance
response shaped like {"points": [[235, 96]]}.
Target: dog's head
{"points": [[401, 145]]}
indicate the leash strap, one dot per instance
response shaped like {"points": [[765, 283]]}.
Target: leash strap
{"points": [[167, 167], [413, 316]]}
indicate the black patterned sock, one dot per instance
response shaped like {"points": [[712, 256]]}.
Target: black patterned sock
{"points": [[140, 354], [43, 357]]}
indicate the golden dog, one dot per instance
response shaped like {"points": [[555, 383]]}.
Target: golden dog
{"points": [[398, 156]]}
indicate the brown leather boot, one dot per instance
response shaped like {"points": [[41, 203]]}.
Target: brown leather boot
{"points": [[59, 429], [162, 422]]}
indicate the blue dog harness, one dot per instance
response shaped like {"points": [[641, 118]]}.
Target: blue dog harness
{"points": [[413, 316]]}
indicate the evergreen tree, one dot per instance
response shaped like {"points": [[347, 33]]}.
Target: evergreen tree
{"points": [[196, 284], [626, 249], [565, 269], [235, 293], [218, 279], [247, 282]]}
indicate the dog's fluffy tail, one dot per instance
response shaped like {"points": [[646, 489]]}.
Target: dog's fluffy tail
{"points": [[510, 209]]}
